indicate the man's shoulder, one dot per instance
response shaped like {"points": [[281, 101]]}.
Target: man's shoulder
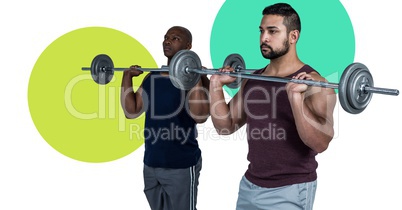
{"points": [[308, 69]]}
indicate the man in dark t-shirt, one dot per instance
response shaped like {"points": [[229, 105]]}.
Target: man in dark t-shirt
{"points": [[287, 124], [172, 159]]}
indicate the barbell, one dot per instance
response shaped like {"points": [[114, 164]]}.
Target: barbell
{"points": [[355, 88], [102, 69]]}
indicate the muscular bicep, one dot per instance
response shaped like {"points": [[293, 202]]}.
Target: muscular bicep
{"points": [[139, 101], [236, 107], [321, 101], [198, 101], [131, 99]]}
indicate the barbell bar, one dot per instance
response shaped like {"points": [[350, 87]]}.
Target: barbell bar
{"points": [[356, 85], [355, 88], [102, 69]]}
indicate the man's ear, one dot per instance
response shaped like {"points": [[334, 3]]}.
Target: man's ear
{"points": [[294, 36], [189, 45]]}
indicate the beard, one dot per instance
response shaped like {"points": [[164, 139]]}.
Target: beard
{"points": [[273, 54]]}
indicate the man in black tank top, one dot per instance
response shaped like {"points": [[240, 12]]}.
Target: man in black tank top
{"points": [[287, 124], [172, 159]]}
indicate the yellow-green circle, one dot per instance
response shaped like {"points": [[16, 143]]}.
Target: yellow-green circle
{"points": [[76, 116]]}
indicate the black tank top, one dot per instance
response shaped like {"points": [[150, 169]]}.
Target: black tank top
{"points": [[170, 132]]}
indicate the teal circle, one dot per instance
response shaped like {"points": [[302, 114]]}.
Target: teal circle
{"points": [[327, 41]]}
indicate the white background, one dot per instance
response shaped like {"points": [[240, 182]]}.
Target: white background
{"points": [[360, 170]]}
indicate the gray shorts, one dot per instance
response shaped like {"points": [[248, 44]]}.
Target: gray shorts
{"points": [[292, 197], [172, 189]]}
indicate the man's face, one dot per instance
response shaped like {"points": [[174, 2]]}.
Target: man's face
{"points": [[175, 40], [274, 41]]}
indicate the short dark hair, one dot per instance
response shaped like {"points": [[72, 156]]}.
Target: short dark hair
{"points": [[186, 32], [290, 17]]}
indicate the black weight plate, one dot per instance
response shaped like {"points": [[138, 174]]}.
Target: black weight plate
{"points": [[357, 97], [235, 61], [352, 96], [102, 69], [179, 75]]}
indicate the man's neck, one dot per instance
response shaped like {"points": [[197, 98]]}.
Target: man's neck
{"points": [[284, 66]]}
